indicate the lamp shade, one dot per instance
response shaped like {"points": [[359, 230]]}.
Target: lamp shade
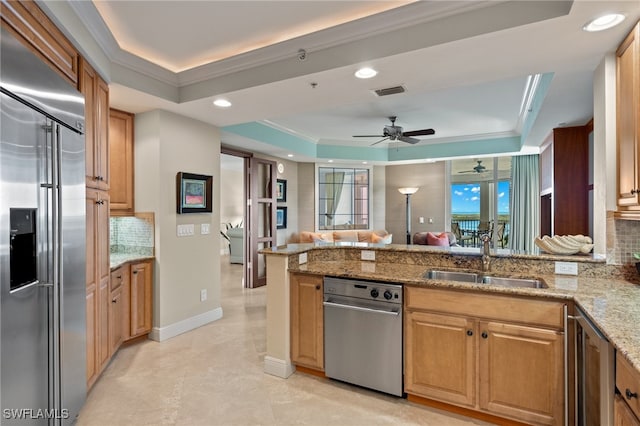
{"points": [[408, 190]]}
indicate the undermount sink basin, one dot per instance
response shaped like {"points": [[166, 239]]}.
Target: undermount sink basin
{"points": [[471, 277], [468, 277]]}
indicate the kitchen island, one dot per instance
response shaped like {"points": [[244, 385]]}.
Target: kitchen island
{"points": [[608, 294]]}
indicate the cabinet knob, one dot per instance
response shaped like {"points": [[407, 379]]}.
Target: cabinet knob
{"points": [[114, 301], [134, 272], [469, 332], [318, 287], [630, 394], [635, 191], [119, 277], [484, 335]]}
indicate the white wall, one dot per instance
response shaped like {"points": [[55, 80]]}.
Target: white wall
{"points": [[165, 144], [604, 144]]}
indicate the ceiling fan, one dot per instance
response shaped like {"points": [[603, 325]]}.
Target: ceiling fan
{"points": [[479, 168], [394, 132]]}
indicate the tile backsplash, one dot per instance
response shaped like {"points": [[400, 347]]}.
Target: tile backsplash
{"points": [[623, 240], [131, 235]]}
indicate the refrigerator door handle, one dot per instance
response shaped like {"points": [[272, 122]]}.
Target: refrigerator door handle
{"points": [[56, 244]]}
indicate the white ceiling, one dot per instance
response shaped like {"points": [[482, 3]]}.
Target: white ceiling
{"points": [[464, 64]]}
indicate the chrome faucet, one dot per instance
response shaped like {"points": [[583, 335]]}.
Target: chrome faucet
{"points": [[486, 254]]}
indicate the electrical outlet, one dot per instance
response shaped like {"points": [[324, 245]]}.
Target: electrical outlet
{"points": [[567, 268], [367, 255], [205, 228], [203, 294], [302, 258]]}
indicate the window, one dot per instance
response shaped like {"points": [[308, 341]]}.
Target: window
{"points": [[343, 198], [480, 194]]}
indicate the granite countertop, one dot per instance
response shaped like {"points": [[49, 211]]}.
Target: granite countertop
{"points": [[612, 304], [118, 259]]}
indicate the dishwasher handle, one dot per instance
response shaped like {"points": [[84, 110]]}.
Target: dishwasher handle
{"points": [[360, 308]]}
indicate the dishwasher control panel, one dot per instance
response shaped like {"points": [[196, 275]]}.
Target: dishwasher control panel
{"points": [[372, 290]]}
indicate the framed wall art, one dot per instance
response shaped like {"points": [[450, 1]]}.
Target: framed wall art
{"points": [[281, 218], [194, 193], [281, 190]]}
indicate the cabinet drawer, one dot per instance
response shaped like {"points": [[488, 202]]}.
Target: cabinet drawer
{"points": [[628, 383], [531, 311], [118, 277]]}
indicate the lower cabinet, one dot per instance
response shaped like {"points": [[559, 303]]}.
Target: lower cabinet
{"points": [[118, 308], [141, 298], [627, 403], [499, 355], [307, 321]]}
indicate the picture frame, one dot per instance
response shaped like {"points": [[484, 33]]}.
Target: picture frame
{"points": [[281, 190], [281, 218], [193, 193]]}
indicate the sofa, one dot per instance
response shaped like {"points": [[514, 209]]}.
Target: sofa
{"points": [[351, 235], [446, 239]]}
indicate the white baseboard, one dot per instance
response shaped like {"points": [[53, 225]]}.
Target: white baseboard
{"points": [[278, 367], [160, 334]]}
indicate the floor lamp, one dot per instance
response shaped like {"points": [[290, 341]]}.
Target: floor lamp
{"points": [[408, 192]]}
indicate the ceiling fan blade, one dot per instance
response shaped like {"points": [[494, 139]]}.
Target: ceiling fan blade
{"points": [[381, 140], [468, 171], [423, 132], [406, 139], [367, 136]]}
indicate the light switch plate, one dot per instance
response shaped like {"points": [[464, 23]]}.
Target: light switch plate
{"points": [[567, 268], [205, 228], [186, 230], [367, 255]]}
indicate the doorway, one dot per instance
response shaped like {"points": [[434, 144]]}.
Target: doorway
{"points": [[232, 210]]}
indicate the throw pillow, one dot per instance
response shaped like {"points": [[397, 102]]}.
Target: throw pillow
{"points": [[437, 240], [377, 239]]}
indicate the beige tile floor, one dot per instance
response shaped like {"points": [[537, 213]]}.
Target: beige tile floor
{"points": [[214, 376]]}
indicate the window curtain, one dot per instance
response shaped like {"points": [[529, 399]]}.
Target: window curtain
{"points": [[525, 202], [336, 179]]}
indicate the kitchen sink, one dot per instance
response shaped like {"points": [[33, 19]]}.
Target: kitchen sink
{"points": [[471, 277], [514, 282], [468, 277]]}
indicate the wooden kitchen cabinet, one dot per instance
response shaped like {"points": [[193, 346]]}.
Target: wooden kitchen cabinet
{"points": [[121, 162], [96, 111], [498, 355], [307, 321], [97, 276], [118, 308], [627, 409], [141, 298], [32, 26], [628, 123], [440, 357]]}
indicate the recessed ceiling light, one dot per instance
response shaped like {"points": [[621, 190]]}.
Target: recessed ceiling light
{"points": [[290, 155], [604, 22], [365, 162], [222, 103], [366, 72], [331, 161]]}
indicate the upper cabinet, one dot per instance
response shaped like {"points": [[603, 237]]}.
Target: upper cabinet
{"points": [[29, 23], [628, 124], [96, 95], [121, 162]]}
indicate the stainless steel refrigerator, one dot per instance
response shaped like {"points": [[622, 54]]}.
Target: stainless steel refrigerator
{"points": [[42, 242]]}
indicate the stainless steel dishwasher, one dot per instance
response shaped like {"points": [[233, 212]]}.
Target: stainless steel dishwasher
{"points": [[363, 333]]}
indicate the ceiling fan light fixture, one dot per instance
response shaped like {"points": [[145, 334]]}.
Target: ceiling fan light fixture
{"points": [[222, 103], [366, 72], [603, 22]]}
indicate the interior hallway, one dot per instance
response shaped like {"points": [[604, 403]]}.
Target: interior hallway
{"points": [[214, 376]]}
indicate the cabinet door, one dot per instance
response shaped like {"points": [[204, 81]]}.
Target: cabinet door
{"points": [[628, 116], [96, 111], [121, 161], [440, 357], [622, 414], [115, 320], [307, 321], [92, 343], [140, 298], [103, 324], [521, 372]]}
